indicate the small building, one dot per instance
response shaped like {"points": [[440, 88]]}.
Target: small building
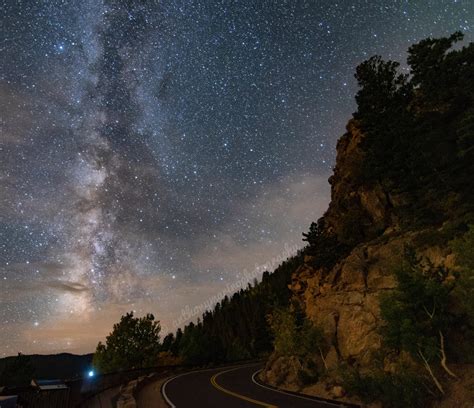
{"points": [[45, 394], [49, 385]]}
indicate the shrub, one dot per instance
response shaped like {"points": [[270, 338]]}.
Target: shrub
{"points": [[308, 376], [401, 389], [294, 335]]}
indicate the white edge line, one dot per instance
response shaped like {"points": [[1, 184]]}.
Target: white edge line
{"points": [[163, 392], [170, 403], [292, 395]]}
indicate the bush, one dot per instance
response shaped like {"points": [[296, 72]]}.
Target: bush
{"points": [[285, 332], [295, 335], [416, 314], [395, 390], [308, 376]]}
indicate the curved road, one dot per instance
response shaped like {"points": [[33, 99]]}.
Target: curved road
{"points": [[231, 388]]}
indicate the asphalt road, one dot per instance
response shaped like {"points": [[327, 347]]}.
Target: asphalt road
{"points": [[230, 388]]}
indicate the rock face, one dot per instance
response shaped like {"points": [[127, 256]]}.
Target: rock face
{"points": [[343, 299], [368, 206]]}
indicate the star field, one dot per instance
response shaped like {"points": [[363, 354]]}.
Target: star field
{"points": [[156, 153]]}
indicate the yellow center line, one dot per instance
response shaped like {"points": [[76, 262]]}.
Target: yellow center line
{"points": [[236, 395]]}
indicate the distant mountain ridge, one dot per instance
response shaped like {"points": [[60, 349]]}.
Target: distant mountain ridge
{"points": [[56, 366]]}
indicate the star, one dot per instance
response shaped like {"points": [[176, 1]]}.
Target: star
{"points": [[153, 150]]}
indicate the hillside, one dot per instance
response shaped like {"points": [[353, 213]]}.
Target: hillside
{"points": [[54, 366], [237, 328], [402, 185]]}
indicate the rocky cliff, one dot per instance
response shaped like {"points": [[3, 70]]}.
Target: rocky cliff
{"points": [[343, 299], [401, 191]]}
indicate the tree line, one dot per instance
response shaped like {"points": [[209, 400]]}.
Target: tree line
{"points": [[237, 328]]}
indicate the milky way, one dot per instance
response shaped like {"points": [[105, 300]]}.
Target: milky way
{"points": [[154, 155]]}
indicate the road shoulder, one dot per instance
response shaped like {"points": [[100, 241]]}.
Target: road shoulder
{"points": [[150, 395]]}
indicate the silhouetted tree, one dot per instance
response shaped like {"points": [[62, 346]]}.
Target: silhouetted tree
{"points": [[312, 236], [382, 91], [439, 74], [177, 341], [133, 343], [168, 342], [325, 248]]}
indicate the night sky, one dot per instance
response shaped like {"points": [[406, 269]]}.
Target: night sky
{"points": [[156, 155]]}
